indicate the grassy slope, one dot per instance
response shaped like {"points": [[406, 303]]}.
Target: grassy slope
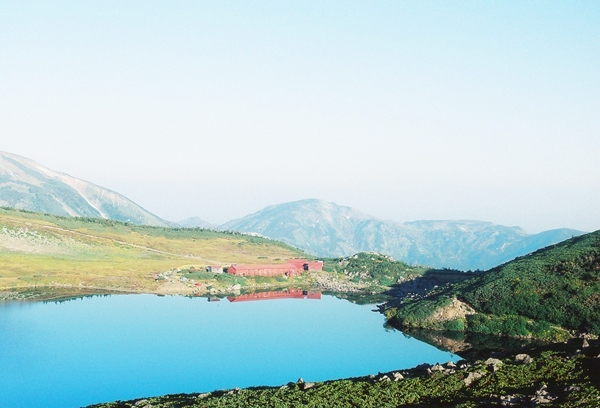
{"points": [[557, 373], [373, 268], [558, 285], [40, 249]]}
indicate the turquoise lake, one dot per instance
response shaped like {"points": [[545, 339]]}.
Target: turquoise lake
{"points": [[105, 348]]}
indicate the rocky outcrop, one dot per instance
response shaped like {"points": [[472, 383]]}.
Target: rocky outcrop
{"points": [[455, 310]]}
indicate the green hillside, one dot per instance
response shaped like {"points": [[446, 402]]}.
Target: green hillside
{"points": [[532, 295], [38, 250]]}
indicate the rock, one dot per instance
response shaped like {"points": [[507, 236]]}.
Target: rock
{"points": [[206, 394], [237, 286], [300, 381], [384, 378], [309, 385], [450, 364], [397, 376], [472, 377], [283, 387], [306, 385], [140, 403], [572, 388], [437, 367], [542, 396], [523, 358], [494, 362], [585, 344], [511, 401]]}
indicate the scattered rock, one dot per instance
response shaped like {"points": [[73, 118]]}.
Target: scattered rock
{"points": [[384, 378], [306, 385], [542, 396], [437, 367], [397, 376], [523, 358], [494, 362], [140, 403], [511, 401], [472, 377], [572, 388]]}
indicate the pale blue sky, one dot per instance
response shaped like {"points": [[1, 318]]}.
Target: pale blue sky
{"points": [[404, 110]]}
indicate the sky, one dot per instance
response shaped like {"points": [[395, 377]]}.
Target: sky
{"points": [[405, 110]]}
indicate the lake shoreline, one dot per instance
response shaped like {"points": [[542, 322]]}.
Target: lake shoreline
{"points": [[557, 374]]}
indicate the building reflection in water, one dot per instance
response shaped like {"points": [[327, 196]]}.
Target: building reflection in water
{"points": [[283, 294]]}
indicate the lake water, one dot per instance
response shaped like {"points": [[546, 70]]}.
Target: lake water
{"points": [[106, 348]]}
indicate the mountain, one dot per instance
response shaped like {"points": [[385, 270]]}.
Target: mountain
{"points": [[196, 222], [28, 185], [330, 230]]}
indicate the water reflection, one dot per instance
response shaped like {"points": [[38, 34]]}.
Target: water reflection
{"points": [[471, 346], [272, 295]]}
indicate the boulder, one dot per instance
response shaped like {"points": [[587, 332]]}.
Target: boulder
{"points": [[523, 358], [494, 362], [472, 377]]}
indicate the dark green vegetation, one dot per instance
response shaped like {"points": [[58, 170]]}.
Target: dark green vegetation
{"points": [[373, 268], [555, 286], [556, 375]]}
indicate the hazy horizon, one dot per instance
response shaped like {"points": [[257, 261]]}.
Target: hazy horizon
{"points": [[404, 111]]}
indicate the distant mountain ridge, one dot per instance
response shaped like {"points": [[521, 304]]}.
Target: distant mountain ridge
{"points": [[330, 230], [196, 222], [28, 185]]}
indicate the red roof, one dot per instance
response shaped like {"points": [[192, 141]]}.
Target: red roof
{"points": [[272, 266]]}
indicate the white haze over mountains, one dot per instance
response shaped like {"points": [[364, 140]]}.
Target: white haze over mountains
{"points": [[319, 227], [405, 109], [330, 230]]}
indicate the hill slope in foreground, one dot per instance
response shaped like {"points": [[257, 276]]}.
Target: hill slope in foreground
{"points": [[555, 286], [47, 250]]}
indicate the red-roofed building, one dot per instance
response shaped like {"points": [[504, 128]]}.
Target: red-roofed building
{"points": [[294, 267]]}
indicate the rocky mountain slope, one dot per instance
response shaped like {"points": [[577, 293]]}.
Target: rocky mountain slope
{"points": [[28, 185], [330, 230]]}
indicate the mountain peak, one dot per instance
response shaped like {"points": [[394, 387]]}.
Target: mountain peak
{"points": [[26, 184], [331, 230]]}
